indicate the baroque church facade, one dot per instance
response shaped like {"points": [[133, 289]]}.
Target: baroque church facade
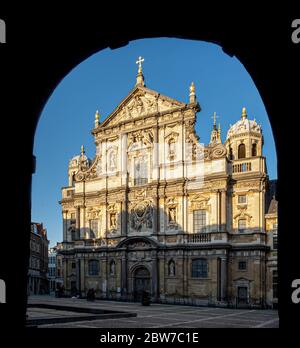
{"points": [[158, 211]]}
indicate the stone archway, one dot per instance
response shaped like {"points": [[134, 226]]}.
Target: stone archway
{"points": [[141, 282]]}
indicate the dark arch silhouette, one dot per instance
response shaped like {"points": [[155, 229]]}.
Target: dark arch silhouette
{"points": [[44, 65]]}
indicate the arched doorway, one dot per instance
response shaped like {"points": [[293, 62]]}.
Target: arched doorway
{"points": [[141, 282]]}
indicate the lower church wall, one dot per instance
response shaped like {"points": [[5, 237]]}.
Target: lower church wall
{"points": [[221, 287]]}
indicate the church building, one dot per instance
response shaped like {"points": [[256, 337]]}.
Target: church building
{"points": [[158, 211]]}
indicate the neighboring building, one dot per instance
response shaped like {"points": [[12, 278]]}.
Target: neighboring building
{"points": [[271, 230], [52, 269], [59, 280], [38, 260], [157, 211], [55, 274]]}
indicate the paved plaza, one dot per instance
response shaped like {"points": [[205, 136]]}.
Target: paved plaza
{"points": [[155, 315]]}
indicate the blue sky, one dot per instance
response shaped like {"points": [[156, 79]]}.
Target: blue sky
{"points": [[104, 79]]}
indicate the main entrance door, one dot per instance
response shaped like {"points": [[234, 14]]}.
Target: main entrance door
{"points": [[242, 295], [141, 283]]}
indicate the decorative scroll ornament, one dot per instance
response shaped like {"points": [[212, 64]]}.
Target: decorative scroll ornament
{"points": [[218, 151]]}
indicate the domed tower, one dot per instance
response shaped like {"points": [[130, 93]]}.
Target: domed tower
{"points": [[247, 167], [244, 139]]}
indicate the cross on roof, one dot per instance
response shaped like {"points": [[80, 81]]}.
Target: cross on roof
{"points": [[139, 62]]}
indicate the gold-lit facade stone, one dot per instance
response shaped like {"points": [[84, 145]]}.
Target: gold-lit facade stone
{"points": [[156, 210]]}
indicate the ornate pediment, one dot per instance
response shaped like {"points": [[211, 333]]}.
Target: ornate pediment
{"points": [[199, 201], [140, 102]]}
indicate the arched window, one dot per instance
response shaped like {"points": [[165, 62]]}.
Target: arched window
{"points": [[242, 151], [72, 230], [200, 268], [93, 267], [171, 268], [254, 150]]}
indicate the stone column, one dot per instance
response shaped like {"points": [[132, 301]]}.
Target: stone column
{"points": [[78, 230], [123, 155], [78, 275], [124, 287], [65, 225], [154, 277], [217, 227], [223, 279], [124, 216], [65, 271], [161, 275], [82, 277], [223, 211]]}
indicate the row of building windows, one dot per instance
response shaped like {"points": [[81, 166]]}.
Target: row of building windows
{"points": [[34, 263], [34, 246], [52, 272], [199, 223]]}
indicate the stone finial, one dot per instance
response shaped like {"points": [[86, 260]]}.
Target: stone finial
{"points": [[244, 113], [97, 117], [82, 151], [192, 93]]}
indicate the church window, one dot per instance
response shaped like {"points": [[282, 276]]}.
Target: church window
{"points": [[93, 267], [199, 268], [242, 225], [140, 171], [199, 221], [242, 265], [254, 150], [93, 228], [242, 151], [73, 233], [242, 199]]}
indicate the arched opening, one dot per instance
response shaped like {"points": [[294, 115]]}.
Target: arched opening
{"points": [[254, 150], [242, 151], [142, 282], [199, 220]]}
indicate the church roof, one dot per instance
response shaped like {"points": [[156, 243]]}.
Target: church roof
{"points": [[273, 207], [244, 125]]}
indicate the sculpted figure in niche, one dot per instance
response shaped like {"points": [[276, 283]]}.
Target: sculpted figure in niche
{"points": [[172, 215], [112, 160], [112, 268], [113, 222], [172, 268]]}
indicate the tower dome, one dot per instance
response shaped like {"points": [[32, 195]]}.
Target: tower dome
{"points": [[244, 138], [244, 125]]}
